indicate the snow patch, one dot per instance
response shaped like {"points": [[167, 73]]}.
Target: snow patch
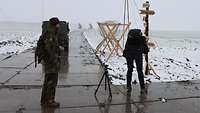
{"points": [[175, 59], [17, 42]]}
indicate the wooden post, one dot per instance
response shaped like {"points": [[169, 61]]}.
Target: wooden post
{"points": [[147, 22], [147, 12], [146, 32]]}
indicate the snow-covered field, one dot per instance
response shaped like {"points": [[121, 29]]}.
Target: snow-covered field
{"points": [[173, 58], [17, 42], [17, 37]]}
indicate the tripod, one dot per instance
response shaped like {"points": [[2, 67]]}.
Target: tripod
{"points": [[107, 81]]}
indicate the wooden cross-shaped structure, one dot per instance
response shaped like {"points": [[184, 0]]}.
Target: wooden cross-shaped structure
{"points": [[111, 41], [146, 12]]}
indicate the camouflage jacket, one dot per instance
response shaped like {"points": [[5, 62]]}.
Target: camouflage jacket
{"points": [[50, 50]]}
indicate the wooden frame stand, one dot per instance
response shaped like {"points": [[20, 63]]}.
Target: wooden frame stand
{"points": [[111, 41]]}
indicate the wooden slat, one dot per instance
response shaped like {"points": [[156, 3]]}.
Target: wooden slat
{"points": [[110, 41], [147, 12]]}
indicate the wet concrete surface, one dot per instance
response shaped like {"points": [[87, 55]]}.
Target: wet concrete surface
{"points": [[170, 90], [21, 84], [6, 74], [18, 61]]}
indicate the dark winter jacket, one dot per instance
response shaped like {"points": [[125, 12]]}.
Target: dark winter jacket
{"points": [[135, 42]]}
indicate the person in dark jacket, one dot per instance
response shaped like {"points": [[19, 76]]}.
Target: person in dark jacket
{"points": [[49, 52], [134, 49]]}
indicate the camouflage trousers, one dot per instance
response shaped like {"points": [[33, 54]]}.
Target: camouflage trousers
{"points": [[49, 87]]}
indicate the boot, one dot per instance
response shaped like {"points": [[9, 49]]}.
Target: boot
{"points": [[128, 85]]}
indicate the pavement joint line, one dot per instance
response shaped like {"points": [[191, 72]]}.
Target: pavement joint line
{"points": [[17, 73], [181, 98], [6, 58], [28, 65], [21, 87], [25, 51], [133, 102], [18, 67], [11, 67], [114, 104]]}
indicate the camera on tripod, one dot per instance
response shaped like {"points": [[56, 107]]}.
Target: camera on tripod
{"points": [[106, 67]]}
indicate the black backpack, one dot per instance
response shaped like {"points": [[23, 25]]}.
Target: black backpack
{"points": [[135, 40], [135, 36], [135, 32], [63, 32]]}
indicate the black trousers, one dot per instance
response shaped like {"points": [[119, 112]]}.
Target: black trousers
{"points": [[49, 87], [137, 56]]}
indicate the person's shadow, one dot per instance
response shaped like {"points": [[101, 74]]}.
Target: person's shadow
{"points": [[48, 110], [128, 103], [104, 107], [140, 106]]}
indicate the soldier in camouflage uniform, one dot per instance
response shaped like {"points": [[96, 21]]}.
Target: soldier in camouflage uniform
{"points": [[49, 51]]}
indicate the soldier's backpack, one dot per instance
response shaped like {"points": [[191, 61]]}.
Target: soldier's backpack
{"points": [[62, 40], [63, 32]]}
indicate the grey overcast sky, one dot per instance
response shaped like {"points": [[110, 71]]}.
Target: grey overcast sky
{"points": [[170, 14]]}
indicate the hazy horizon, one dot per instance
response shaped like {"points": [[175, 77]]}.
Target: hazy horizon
{"points": [[170, 15]]}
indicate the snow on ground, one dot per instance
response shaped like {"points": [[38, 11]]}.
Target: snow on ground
{"points": [[173, 59], [18, 37], [17, 42]]}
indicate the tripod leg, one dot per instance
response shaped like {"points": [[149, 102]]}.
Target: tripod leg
{"points": [[110, 93], [99, 84], [105, 83]]}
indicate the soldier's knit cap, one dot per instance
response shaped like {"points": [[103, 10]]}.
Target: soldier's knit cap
{"points": [[54, 21]]}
